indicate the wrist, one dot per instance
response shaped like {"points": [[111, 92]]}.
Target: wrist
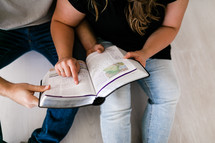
{"points": [[64, 57], [5, 88], [64, 54], [146, 53]]}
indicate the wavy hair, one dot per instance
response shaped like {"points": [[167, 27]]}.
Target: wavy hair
{"points": [[138, 13]]}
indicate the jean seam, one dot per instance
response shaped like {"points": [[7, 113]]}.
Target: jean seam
{"points": [[150, 115], [149, 124]]}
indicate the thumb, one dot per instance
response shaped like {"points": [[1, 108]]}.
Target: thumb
{"points": [[99, 48], [130, 55], [37, 88]]}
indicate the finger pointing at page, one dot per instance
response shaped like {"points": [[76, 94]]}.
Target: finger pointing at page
{"points": [[68, 67], [75, 68]]}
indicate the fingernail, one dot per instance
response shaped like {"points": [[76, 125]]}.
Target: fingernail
{"points": [[47, 87]]}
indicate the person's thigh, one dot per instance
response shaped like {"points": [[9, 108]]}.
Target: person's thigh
{"points": [[115, 113], [162, 89], [162, 84], [41, 41], [57, 121], [115, 116], [13, 44]]}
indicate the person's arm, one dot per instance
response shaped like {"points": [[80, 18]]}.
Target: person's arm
{"points": [[22, 93], [87, 38], [64, 22], [164, 35]]}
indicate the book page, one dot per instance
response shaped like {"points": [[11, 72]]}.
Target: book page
{"points": [[66, 87], [129, 77], [107, 66]]}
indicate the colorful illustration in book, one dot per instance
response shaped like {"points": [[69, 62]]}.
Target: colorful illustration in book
{"points": [[114, 69]]}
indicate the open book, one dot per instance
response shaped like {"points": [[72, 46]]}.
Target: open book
{"points": [[98, 77]]}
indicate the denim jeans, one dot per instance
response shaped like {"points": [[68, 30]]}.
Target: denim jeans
{"points": [[162, 89], [13, 44]]}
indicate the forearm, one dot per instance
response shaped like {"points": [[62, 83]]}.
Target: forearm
{"points": [[86, 35], [4, 87], [63, 37], [160, 39]]}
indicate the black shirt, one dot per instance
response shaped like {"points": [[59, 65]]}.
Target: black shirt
{"points": [[113, 26]]}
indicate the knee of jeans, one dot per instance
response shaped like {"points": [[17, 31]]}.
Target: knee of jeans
{"points": [[116, 110], [116, 115], [169, 96], [174, 94]]}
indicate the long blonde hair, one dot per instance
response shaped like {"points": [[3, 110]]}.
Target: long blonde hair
{"points": [[138, 13]]}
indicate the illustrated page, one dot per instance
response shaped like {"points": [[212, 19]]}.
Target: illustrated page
{"points": [[104, 68]]}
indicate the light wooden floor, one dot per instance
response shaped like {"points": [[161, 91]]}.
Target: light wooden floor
{"points": [[193, 56]]}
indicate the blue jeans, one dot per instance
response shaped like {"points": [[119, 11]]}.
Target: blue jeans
{"points": [[162, 89], [13, 44]]}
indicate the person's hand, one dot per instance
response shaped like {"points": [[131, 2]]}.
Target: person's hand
{"points": [[96, 48], [68, 67], [23, 93], [139, 56]]}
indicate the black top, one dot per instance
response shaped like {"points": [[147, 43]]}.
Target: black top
{"points": [[113, 26]]}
